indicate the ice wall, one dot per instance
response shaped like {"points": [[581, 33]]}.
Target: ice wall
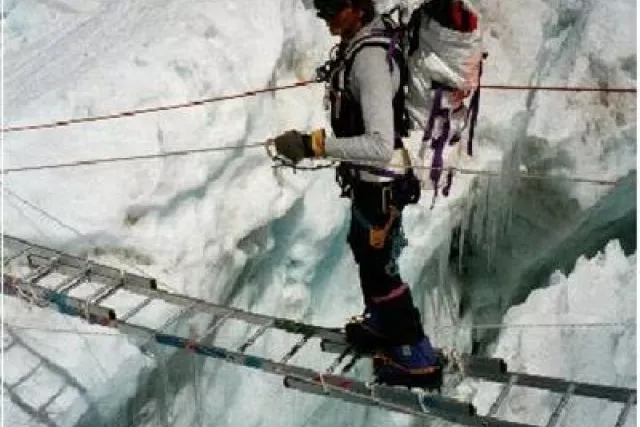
{"points": [[223, 226], [599, 290]]}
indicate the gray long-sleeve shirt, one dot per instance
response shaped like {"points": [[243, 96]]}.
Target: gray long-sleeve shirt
{"points": [[373, 86]]}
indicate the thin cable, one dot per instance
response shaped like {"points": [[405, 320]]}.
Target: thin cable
{"points": [[530, 176], [561, 88], [42, 211], [488, 326], [78, 233], [130, 158], [200, 102], [335, 159], [467, 171], [33, 299]]}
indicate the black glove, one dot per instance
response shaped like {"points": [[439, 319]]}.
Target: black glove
{"points": [[294, 145]]}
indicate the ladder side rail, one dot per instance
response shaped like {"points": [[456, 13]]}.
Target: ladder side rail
{"points": [[254, 318], [216, 352], [71, 264], [485, 421], [16, 243], [146, 287], [66, 304], [33, 250], [410, 404], [15, 256], [486, 365], [99, 314], [295, 372], [558, 385]]}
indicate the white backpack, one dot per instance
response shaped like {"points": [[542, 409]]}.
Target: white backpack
{"points": [[444, 66]]}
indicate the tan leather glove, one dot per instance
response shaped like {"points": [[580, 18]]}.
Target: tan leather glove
{"points": [[317, 142]]}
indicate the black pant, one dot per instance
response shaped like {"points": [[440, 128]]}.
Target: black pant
{"points": [[383, 290]]}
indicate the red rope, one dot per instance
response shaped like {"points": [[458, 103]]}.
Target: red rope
{"points": [[199, 102], [130, 113]]}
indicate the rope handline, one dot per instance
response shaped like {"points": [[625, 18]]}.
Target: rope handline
{"points": [[465, 171], [200, 102], [135, 112], [130, 158]]}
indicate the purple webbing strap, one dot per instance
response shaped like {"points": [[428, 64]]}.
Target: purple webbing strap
{"points": [[432, 116], [391, 50], [473, 111], [447, 186], [474, 107], [437, 144]]}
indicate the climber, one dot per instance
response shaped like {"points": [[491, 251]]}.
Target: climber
{"points": [[368, 120]]}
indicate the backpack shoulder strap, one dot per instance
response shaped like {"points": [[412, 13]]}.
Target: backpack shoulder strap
{"points": [[389, 38]]}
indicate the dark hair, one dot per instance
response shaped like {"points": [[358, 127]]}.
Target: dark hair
{"points": [[326, 9], [367, 7]]}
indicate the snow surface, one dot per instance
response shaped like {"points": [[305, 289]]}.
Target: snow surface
{"points": [[600, 290], [223, 226]]}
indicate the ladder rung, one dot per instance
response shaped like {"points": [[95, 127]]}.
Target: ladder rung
{"points": [[555, 416], [297, 346], [252, 339], [72, 281], [104, 293], [217, 324], [129, 314], [179, 315], [91, 298], [339, 359], [41, 271], [351, 364], [504, 391], [624, 414]]}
